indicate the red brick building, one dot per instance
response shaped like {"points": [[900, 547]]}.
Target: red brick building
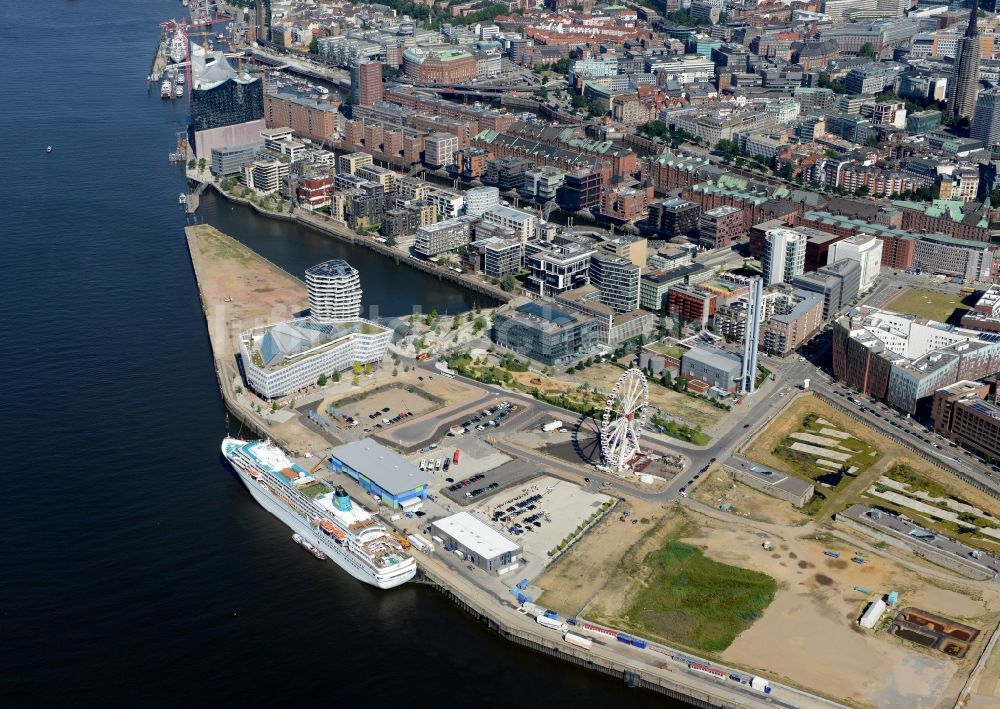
{"points": [[314, 192], [446, 66], [691, 303]]}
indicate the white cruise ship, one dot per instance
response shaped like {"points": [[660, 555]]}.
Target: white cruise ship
{"points": [[327, 518]]}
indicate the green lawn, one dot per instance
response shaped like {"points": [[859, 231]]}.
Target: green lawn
{"points": [[315, 489], [695, 601], [928, 304]]}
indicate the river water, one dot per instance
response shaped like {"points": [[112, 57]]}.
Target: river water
{"points": [[135, 570]]}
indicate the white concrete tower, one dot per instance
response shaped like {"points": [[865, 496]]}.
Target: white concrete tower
{"points": [[334, 291], [748, 375]]}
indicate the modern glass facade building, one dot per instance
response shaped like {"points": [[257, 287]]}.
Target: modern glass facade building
{"points": [[226, 104], [220, 96], [544, 333]]}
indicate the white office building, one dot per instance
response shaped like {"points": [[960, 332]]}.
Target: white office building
{"points": [[522, 223], [334, 291], [480, 200], [449, 204], [784, 255], [281, 359], [863, 248]]}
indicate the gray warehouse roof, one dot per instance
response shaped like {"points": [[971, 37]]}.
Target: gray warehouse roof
{"points": [[384, 467], [714, 357]]}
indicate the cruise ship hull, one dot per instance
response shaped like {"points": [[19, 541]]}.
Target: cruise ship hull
{"points": [[343, 558]]}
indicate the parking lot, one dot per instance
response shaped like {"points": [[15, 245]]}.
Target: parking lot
{"points": [[489, 419], [539, 514]]}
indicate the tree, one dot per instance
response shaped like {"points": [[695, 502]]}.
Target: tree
{"points": [[336, 376], [478, 325], [508, 282], [355, 381], [390, 241], [862, 191], [192, 164], [322, 380], [314, 46], [727, 147], [201, 164], [595, 108], [867, 50], [653, 129], [561, 66]]}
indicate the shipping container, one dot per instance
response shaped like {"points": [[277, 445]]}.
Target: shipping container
{"points": [[585, 643], [714, 671]]}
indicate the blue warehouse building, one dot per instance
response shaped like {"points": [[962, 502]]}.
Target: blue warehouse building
{"points": [[381, 472]]}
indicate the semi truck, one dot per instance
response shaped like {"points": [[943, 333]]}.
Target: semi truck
{"points": [[551, 623], [420, 543], [553, 425]]}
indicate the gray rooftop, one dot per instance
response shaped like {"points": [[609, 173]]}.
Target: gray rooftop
{"points": [[782, 480], [333, 267], [384, 467], [714, 357]]}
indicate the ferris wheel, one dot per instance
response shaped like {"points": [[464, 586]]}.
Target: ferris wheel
{"points": [[624, 416]]}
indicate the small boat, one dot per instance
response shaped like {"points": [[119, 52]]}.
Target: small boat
{"points": [[48, 148], [300, 540], [182, 198]]}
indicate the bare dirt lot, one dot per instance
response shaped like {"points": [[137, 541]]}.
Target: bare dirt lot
{"points": [[396, 400], [603, 377], [572, 581], [809, 635], [240, 289], [718, 489]]}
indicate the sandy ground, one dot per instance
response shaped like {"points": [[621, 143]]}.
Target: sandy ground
{"points": [[573, 581], [986, 692], [675, 405], [260, 292], [718, 488], [810, 629], [809, 635]]}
